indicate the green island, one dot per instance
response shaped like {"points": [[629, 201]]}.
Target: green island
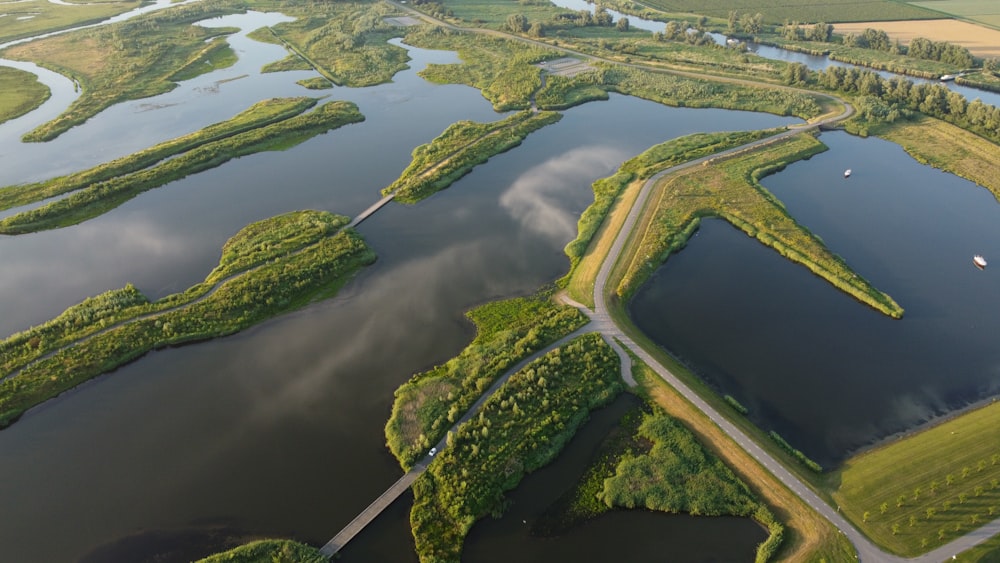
{"points": [[130, 60], [268, 551], [46, 17], [204, 151], [268, 268], [22, 92], [260, 114], [507, 331], [345, 42], [461, 147], [655, 462], [919, 492], [519, 429]]}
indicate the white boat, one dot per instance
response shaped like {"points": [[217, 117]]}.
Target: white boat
{"points": [[979, 261], [947, 77], [847, 173]]}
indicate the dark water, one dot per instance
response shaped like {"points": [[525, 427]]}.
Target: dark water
{"points": [[278, 430], [826, 372]]}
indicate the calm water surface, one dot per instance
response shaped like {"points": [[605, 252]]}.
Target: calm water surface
{"points": [[823, 370], [278, 430]]}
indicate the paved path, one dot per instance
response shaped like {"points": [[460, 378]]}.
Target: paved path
{"points": [[371, 210], [601, 320], [399, 487]]}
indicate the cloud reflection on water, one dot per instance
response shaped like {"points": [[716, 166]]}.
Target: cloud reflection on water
{"points": [[534, 197]]}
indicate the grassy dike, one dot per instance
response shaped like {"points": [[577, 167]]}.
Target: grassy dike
{"points": [[729, 189], [520, 428], [20, 92], [258, 115], [462, 146], [633, 173], [268, 268], [506, 332], [100, 197]]}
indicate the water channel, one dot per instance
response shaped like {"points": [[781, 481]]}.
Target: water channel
{"points": [[278, 430]]}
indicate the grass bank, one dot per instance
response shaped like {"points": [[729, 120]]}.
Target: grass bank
{"points": [[947, 147], [506, 332], [101, 197], [586, 258], [268, 551], [729, 189], [130, 60], [458, 150], [807, 536], [922, 491], [260, 114], [656, 463], [520, 428], [20, 92], [272, 268]]}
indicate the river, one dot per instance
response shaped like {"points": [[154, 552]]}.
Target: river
{"points": [[278, 430]]}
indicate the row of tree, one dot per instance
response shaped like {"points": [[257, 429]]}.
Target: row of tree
{"points": [[898, 96]]}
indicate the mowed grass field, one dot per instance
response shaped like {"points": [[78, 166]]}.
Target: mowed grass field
{"points": [[922, 491], [777, 11], [980, 41], [983, 11]]}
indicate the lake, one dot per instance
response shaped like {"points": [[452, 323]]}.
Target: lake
{"points": [[278, 430], [829, 374]]}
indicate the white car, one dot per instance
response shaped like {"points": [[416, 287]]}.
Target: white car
{"points": [[432, 452]]}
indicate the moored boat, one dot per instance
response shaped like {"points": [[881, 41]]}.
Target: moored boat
{"points": [[979, 261], [847, 173]]}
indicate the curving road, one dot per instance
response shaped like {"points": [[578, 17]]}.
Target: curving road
{"points": [[603, 322]]}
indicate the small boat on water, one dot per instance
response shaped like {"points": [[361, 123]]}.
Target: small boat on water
{"points": [[847, 173], [948, 77], [979, 261]]}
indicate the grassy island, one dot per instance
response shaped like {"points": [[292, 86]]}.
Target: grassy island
{"points": [[458, 150], [45, 16], [124, 61], [203, 150], [268, 268], [729, 189], [344, 41], [506, 332], [21, 93], [268, 551], [654, 462], [258, 115], [520, 428]]}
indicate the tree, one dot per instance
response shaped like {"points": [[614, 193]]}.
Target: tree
{"points": [[622, 24], [866, 516], [883, 507], [517, 23], [732, 21], [537, 30], [895, 528], [602, 17]]}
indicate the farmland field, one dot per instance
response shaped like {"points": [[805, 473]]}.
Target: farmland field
{"points": [[983, 11], [980, 41], [777, 11]]}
